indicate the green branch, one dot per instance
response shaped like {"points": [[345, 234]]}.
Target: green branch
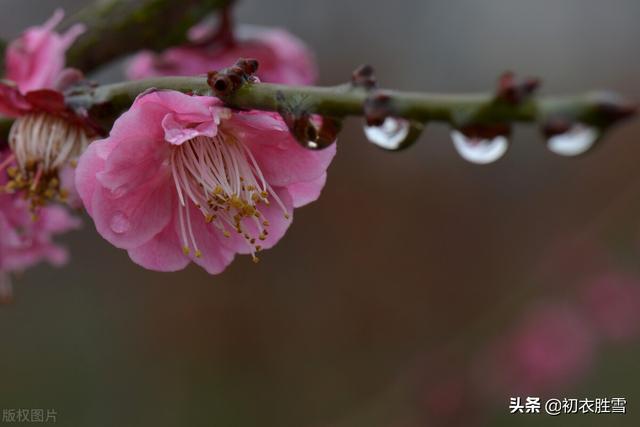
{"points": [[599, 109]]}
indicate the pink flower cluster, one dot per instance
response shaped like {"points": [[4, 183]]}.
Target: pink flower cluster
{"points": [[546, 351], [27, 240], [46, 137], [283, 58], [34, 69], [180, 178]]}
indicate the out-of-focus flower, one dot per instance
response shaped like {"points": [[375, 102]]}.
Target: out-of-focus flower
{"points": [[36, 59], [45, 139], [612, 303], [26, 240], [551, 348], [47, 136], [181, 178], [283, 58]]}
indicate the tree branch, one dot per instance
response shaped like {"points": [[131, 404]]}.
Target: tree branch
{"points": [[598, 109], [120, 27]]}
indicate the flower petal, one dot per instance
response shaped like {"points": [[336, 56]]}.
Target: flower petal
{"points": [[12, 102], [162, 253], [304, 193], [179, 128], [89, 165], [215, 255], [133, 219], [282, 160], [37, 57]]}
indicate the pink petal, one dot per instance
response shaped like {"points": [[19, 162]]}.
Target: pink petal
{"points": [[179, 128], [143, 120], [162, 253], [56, 219], [35, 60], [283, 57], [282, 160], [304, 193], [134, 163], [89, 165], [56, 255], [195, 107], [215, 255], [133, 219], [12, 102], [67, 177]]}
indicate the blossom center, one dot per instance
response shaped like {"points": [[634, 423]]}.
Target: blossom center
{"points": [[43, 144], [222, 179]]}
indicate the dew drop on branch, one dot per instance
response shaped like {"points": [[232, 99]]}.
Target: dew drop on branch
{"points": [[390, 135], [478, 150], [577, 140]]}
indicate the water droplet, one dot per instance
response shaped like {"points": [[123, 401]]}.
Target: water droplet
{"points": [[577, 140], [478, 150], [120, 223], [390, 135], [394, 134]]}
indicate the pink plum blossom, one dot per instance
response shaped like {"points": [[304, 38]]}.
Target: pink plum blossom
{"points": [[181, 178], [548, 350], [612, 303], [36, 59], [46, 136], [26, 240], [283, 57]]}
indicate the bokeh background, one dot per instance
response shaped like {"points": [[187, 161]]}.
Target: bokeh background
{"points": [[419, 290]]}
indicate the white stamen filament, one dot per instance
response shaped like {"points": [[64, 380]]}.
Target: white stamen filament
{"points": [[47, 140], [221, 177], [42, 144]]}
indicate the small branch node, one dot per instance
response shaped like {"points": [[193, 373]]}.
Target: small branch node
{"points": [[364, 77], [514, 91], [226, 81]]}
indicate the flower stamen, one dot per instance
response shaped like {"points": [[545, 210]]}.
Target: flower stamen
{"points": [[42, 144], [221, 178]]}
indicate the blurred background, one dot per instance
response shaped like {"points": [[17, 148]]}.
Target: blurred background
{"points": [[420, 290]]}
